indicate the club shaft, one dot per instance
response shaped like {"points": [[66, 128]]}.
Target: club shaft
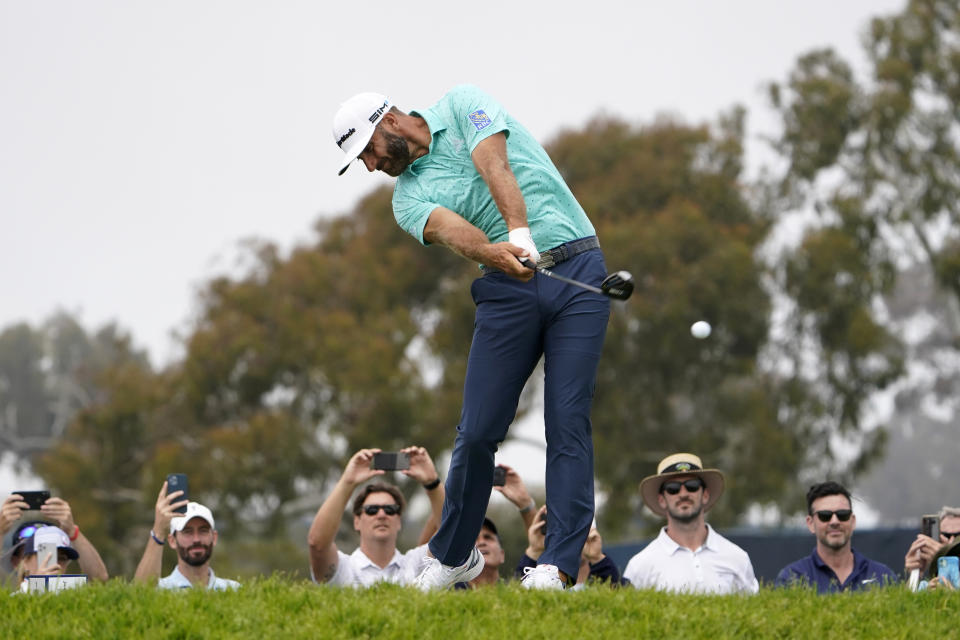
{"points": [[576, 283]]}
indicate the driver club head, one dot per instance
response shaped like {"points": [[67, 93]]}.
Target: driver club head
{"points": [[618, 286]]}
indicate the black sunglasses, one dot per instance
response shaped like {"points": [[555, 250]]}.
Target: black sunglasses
{"points": [[950, 535], [826, 516], [389, 509], [673, 488]]}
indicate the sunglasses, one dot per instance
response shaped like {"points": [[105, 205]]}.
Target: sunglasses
{"points": [[27, 532], [826, 516], [950, 535], [389, 509], [673, 488]]}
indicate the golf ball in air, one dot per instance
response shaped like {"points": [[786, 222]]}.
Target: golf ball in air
{"points": [[700, 329]]}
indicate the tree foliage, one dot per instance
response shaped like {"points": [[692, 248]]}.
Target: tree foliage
{"points": [[47, 374], [876, 161]]}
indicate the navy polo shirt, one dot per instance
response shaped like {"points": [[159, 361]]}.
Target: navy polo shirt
{"points": [[814, 571]]}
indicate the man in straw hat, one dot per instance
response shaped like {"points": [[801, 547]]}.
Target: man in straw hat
{"points": [[688, 555]]}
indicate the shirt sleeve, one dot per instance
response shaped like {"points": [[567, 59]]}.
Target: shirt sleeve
{"points": [[748, 580], [635, 572], [344, 575], [606, 571], [525, 561], [476, 115], [411, 209]]}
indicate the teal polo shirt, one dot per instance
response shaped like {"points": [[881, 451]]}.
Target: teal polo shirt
{"points": [[446, 176]]}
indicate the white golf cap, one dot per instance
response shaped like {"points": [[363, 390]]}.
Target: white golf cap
{"points": [[354, 124], [194, 510]]}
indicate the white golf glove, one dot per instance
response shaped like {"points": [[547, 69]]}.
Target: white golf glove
{"points": [[521, 237]]}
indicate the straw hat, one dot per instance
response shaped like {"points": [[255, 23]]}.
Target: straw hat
{"points": [[677, 465]]}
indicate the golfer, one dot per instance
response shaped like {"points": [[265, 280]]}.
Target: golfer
{"points": [[473, 179]]}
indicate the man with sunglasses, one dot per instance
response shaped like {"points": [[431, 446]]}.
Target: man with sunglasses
{"points": [[377, 518], [688, 556], [925, 548], [834, 564]]}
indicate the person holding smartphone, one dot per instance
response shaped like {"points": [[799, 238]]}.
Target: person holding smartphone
{"points": [[189, 529], [926, 547], [51, 510], [377, 518], [46, 552]]}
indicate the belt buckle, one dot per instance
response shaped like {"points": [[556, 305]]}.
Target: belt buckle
{"points": [[546, 260]]}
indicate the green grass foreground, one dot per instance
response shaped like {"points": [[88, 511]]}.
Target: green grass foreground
{"points": [[278, 608]]}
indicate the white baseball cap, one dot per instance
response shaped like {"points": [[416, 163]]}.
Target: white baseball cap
{"points": [[354, 123], [194, 510], [50, 535]]}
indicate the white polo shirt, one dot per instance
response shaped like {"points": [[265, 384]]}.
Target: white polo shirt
{"points": [[177, 580], [718, 566], [357, 570]]}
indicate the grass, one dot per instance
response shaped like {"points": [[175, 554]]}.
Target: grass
{"points": [[279, 608]]}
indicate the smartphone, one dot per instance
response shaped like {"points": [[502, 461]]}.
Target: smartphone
{"points": [[47, 550], [543, 529], [34, 498], [926, 525], [391, 461], [178, 482], [499, 476]]}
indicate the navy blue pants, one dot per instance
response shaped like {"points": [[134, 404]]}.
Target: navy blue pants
{"points": [[516, 323]]}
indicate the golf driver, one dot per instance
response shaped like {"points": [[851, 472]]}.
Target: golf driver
{"points": [[617, 285]]}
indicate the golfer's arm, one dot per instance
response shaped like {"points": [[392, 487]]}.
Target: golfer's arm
{"points": [[490, 159], [323, 530], [454, 232]]}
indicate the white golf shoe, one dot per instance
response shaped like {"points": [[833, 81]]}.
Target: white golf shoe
{"points": [[435, 575], [543, 576]]}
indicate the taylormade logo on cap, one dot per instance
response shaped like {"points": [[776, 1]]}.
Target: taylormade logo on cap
{"points": [[355, 122]]}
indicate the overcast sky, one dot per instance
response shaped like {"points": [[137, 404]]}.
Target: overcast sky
{"points": [[140, 142]]}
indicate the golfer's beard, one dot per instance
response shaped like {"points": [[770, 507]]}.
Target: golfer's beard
{"points": [[398, 155], [196, 561], [690, 516]]}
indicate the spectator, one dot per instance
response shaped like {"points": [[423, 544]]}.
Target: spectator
{"points": [[377, 518], [924, 548], [55, 511], [491, 548], [688, 555], [595, 566], [515, 491], [31, 564], [193, 535], [834, 564]]}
